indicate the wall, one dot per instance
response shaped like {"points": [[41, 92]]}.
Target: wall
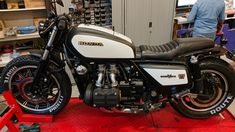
{"points": [[118, 13], [65, 9], [163, 13], [21, 18], [137, 18], [133, 18]]}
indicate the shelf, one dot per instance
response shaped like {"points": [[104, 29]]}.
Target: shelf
{"points": [[181, 20], [21, 37], [24, 9]]}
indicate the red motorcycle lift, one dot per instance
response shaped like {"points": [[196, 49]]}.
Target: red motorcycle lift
{"points": [[16, 110], [78, 117]]}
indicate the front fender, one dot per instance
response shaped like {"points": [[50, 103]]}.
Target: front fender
{"points": [[38, 54]]}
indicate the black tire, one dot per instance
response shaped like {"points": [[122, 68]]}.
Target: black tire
{"points": [[221, 96], [17, 77]]}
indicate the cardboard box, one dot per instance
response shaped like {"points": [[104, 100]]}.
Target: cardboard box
{"points": [[2, 26], [34, 3], [36, 20], [12, 4]]}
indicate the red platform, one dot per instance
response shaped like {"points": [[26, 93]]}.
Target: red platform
{"points": [[77, 117], [14, 109]]}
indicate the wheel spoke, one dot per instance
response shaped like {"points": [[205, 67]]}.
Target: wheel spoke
{"points": [[17, 84], [20, 76], [28, 73], [48, 91], [36, 106], [25, 103], [48, 104], [215, 85]]}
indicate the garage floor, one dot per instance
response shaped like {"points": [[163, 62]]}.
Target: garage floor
{"points": [[77, 117]]}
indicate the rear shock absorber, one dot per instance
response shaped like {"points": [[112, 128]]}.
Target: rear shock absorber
{"points": [[196, 72]]}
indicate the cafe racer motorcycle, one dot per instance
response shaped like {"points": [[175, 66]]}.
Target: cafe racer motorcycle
{"points": [[115, 75]]}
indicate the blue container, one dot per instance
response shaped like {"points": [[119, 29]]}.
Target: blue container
{"points": [[26, 29]]}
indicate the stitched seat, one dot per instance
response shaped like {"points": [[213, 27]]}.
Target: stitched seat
{"points": [[175, 48]]}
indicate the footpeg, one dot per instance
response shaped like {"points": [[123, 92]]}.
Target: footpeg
{"points": [[148, 107]]}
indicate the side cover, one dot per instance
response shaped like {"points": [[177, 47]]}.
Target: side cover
{"points": [[167, 75]]}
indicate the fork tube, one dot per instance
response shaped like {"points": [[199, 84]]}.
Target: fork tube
{"points": [[43, 60], [49, 44]]}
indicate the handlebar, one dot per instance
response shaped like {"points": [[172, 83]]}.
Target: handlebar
{"points": [[47, 29], [61, 22]]}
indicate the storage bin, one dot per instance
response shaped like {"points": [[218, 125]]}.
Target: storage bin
{"points": [[34, 3]]}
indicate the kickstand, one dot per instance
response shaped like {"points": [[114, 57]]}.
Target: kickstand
{"points": [[154, 123], [151, 120], [147, 112]]}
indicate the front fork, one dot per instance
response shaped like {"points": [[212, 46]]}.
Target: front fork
{"points": [[197, 75], [44, 59]]}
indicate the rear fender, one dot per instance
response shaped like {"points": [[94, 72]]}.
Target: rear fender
{"points": [[216, 52]]}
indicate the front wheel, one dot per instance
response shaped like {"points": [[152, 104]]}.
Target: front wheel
{"points": [[218, 92], [49, 96]]}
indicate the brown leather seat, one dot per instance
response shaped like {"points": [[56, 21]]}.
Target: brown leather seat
{"points": [[175, 48]]}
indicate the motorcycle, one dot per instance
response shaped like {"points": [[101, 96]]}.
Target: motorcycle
{"points": [[115, 75]]}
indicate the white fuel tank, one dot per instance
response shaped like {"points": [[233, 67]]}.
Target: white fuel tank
{"points": [[97, 42]]}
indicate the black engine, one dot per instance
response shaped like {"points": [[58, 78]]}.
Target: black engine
{"points": [[110, 91], [106, 97]]}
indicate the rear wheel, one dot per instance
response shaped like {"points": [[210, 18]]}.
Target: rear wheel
{"points": [[218, 91], [49, 96]]}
